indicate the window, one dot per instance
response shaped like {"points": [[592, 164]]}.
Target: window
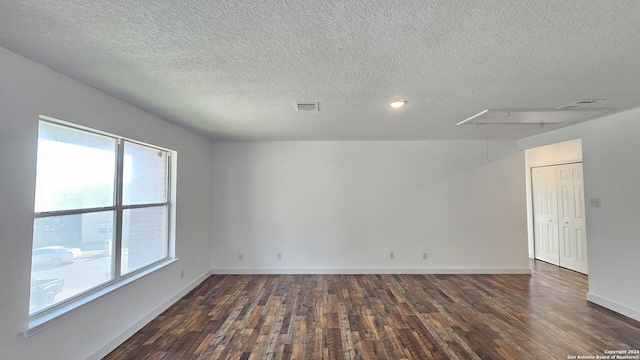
{"points": [[102, 212]]}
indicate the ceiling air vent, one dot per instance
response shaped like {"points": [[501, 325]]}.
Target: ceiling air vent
{"points": [[580, 103], [307, 106]]}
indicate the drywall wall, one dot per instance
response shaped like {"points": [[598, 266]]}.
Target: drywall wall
{"points": [[26, 91], [561, 153], [343, 207], [610, 158]]}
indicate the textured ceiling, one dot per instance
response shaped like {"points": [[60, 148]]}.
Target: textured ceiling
{"points": [[232, 70]]}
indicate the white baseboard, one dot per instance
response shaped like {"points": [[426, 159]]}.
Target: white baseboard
{"points": [[114, 343], [276, 271], [613, 306]]}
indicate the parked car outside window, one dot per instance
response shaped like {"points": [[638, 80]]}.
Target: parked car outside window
{"points": [[54, 255]]}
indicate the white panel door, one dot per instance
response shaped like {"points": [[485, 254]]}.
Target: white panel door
{"points": [[545, 214], [572, 234]]}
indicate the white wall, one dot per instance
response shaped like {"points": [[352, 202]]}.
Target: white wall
{"points": [[342, 207], [610, 158], [26, 91], [554, 154]]}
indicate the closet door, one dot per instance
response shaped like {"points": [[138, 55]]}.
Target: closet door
{"points": [[572, 234], [545, 214]]}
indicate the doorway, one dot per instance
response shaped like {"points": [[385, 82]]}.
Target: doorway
{"points": [[542, 160]]}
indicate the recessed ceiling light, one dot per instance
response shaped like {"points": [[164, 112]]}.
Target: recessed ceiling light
{"points": [[397, 103]]}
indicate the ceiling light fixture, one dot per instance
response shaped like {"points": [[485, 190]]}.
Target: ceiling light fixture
{"points": [[396, 104]]}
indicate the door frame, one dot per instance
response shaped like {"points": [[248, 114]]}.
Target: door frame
{"points": [[564, 152], [532, 195]]}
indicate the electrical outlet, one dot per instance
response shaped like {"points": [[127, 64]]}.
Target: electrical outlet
{"points": [[595, 202], [425, 256], [279, 256], [181, 274], [240, 256], [392, 255]]}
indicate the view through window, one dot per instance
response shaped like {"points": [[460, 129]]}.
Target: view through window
{"points": [[101, 212]]}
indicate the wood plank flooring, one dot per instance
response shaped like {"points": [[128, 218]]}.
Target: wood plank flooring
{"points": [[542, 316]]}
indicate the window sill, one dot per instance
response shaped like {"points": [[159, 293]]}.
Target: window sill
{"points": [[49, 318]]}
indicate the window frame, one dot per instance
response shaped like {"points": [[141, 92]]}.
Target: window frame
{"points": [[41, 317]]}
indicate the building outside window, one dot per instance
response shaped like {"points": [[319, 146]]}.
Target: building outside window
{"points": [[102, 212]]}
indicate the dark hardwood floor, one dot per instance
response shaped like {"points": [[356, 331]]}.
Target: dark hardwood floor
{"points": [[542, 316]]}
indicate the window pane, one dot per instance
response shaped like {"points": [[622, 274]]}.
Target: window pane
{"points": [[71, 254], [144, 175], [76, 169], [144, 237]]}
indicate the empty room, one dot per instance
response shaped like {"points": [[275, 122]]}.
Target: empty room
{"points": [[319, 179]]}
